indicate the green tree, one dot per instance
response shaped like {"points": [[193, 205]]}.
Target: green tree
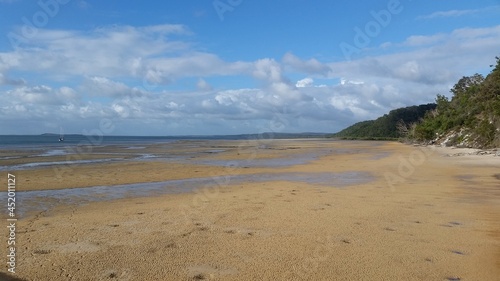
{"points": [[473, 110]]}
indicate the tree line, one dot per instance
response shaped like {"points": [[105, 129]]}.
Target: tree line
{"points": [[470, 118]]}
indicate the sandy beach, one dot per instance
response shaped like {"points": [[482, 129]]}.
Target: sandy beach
{"points": [[273, 210]]}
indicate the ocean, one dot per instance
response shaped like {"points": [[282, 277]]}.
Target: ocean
{"points": [[46, 140], [53, 140]]}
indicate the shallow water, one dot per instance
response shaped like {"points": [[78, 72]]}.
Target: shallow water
{"points": [[54, 152], [189, 157], [283, 161], [37, 201], [381, 155], [55, 163]]}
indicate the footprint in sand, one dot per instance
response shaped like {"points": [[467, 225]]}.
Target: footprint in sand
{"points": [[452, 224], [207, 272], [79, 247], [201, 276], [320, 207], [42, 252], [122, 275], [346, 241], [243, 232]]}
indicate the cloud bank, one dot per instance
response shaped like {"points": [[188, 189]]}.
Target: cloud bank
{"points": [[154, 80]]}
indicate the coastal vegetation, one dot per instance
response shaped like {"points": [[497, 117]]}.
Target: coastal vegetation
{"points": [[470, 118], [391, 126]]}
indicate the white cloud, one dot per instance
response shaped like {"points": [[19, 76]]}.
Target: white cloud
{"points": [[143, 53], [344, 81], [42, 95], [107, 51], [306, 82], [203, 85], [12, 82], [268, 70], [102, 86], [419, 40], [459, 53], [123, 73], [459, 13], [311, 66], [450, 13]]}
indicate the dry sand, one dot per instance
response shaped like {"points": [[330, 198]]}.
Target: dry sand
{"points": [[423, 217]]}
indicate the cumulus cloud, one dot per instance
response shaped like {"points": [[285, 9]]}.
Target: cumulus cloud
{"points": [[125, 73], [268, 70], [444, 61], [37, 108], [344, 81], [141, 52], [270, 73], [102, 86], [306, 82], [11, 82], [311, 66], [42, 95]]}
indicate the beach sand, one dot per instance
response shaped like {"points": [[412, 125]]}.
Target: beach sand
{"points": [[423, 216]]}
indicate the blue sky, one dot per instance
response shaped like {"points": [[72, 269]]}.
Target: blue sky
{"points": [[232, 66]]}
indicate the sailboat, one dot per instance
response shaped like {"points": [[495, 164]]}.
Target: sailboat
{"points": [[61, 135]]}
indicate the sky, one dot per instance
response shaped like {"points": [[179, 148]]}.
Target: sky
{"points": [[210, 67]]}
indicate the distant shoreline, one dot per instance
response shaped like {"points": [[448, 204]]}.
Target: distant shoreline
{"points": [[49, 139]]}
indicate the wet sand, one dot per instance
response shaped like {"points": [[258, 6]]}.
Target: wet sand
{"points": [[422, 216], [113, 165]]}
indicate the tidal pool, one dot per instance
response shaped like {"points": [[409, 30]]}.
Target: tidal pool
{"points": [[37, 201]]}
